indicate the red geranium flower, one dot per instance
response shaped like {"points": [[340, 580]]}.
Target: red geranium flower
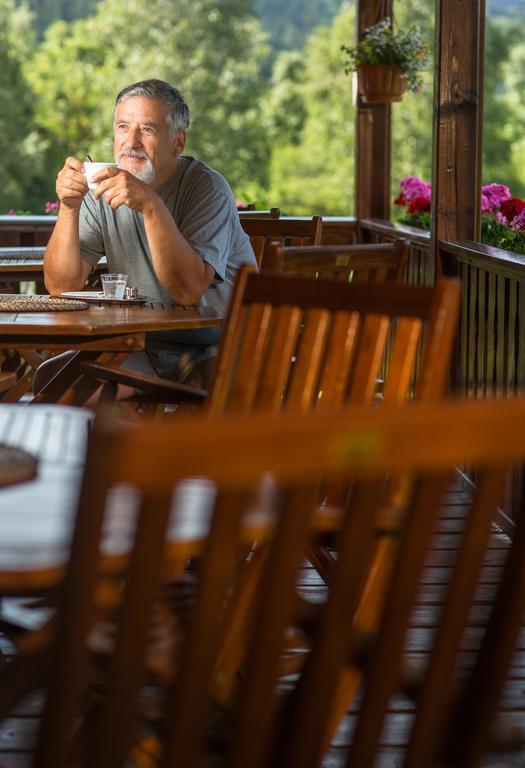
{"points": [[512, 207], [400, 200], [419, 205]]}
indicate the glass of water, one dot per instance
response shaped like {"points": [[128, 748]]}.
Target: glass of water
{"points": [[114, 285]]}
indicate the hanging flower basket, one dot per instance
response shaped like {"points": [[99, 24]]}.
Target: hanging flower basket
{"points": [[381, 83]]}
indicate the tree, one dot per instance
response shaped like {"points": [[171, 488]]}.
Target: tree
{"points": [[289, 24], [412, 118], [504, 109], [15, 105], [47, 11], [212, 51], [311, 122]]}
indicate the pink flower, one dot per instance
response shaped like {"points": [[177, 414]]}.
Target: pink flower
{"points": [[11, 212], [52, 207], [413, 186], [518, 222], [492, 196]]}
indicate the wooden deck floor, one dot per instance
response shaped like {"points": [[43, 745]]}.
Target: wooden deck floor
{"points": [[15, 731]]}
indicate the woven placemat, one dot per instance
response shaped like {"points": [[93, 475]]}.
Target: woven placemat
{"points": [[16, 465], [18, 303]]}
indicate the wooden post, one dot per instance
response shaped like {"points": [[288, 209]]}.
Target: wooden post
{"points": [[373, 134], [458, 115]]}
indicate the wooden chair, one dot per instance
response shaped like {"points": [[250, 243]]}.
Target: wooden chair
{"points": [[289, 342], [269, 725], [294, 232], [298, 344], [379, 263]]}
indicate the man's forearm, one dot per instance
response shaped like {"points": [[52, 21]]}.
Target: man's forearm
{"points": [[63, 267], [179, 268]]}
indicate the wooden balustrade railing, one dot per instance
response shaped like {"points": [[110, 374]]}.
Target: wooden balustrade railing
{"points": [[490, 359]]}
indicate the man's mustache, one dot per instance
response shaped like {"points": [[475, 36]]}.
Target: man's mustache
{"points": [[132, 153]]}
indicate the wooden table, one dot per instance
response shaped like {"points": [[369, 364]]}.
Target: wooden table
{"points": [[113, 329], [36, 517], [26, 230]]}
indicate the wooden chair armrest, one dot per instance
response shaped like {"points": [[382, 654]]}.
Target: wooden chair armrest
{"points": [[171, 391]]}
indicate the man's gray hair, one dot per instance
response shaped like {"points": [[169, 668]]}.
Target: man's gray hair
{"points": [[178, 117]]}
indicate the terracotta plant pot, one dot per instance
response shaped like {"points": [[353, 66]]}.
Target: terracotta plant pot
{"points": [[381, 83]]}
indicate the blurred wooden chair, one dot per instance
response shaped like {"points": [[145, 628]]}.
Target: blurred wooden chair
{"points": [[292, 343], [379, 263], [296, 232], [266, 724]]}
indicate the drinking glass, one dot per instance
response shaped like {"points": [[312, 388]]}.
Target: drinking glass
{"points": [[114, 285]]}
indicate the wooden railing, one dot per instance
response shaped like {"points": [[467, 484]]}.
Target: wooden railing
{"points": [[16, 231], [490, 358]]}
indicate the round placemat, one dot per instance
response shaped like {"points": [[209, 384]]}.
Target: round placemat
{"points": [[16, 465], [17, 303]]}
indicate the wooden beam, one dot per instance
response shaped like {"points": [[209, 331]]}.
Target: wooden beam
{"points": [[458, 115], [373, 134]]}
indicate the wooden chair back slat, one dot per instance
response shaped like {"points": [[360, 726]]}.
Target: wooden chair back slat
{"points": [[187, 708], [110, 743], [384, 673], [303, 389], [254, 726], [434, 369], [276, 371], [372, 342], [340, 353], [356, 545], [241, 393], [402, 359]]}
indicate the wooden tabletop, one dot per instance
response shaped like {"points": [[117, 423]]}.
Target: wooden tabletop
{"points": [[104, 319], [97, 326]]}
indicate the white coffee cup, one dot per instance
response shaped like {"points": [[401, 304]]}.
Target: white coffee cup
{"points": [[91, 169]]}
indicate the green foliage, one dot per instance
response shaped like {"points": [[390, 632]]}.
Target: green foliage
{"points": [[501, 236], [504, 111], [48, 11], [289, 24], [15, 105], [421, 220], [412, 118], [384, 44], [311, 124]]}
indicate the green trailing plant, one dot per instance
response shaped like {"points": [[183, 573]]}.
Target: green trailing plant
{"points": [[382, 44]]}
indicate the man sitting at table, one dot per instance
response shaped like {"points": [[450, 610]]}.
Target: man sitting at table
{"points": [[166, 220]]}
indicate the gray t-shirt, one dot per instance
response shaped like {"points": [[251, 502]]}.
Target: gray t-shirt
{"points": [[203, 207]]}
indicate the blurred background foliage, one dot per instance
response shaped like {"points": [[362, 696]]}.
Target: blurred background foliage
{"points": [[271, 107]]}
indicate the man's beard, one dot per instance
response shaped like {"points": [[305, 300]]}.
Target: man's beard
{"points": [[146, 172]]}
